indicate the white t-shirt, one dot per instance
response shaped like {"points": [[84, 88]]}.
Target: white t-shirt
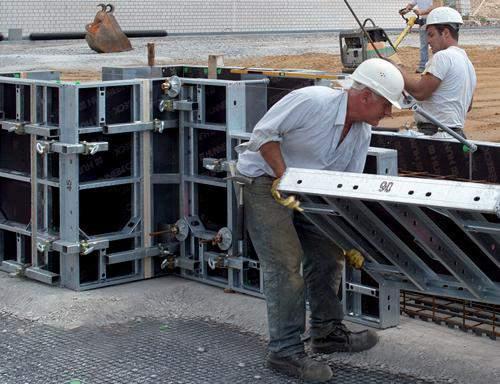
{"points": [[451, 100], [308, 123]]}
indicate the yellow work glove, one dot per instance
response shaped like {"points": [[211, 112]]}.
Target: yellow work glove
{"points": [[289, 202], [354, 258]]}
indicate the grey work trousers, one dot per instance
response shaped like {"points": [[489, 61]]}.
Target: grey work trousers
{"points": [[424, 47], [283, 239]]}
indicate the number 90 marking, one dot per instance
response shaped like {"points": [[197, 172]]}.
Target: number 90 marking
{"points": [[385, 186]]}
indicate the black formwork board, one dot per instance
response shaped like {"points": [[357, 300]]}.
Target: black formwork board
{"points": [[166, 206], [114, 163], [8, 101], [166, 151], [8, 246], [212, 206], [118, 105], [105, 210], [442, 157], [15, 200], [210, 144], [14, 152], [279, 87]]}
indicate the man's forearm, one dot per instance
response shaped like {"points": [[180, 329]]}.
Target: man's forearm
{"points": [[271, 152]]}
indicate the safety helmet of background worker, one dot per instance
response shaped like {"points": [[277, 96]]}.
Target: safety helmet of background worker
{"points": [[383, 78], [446, 16]]}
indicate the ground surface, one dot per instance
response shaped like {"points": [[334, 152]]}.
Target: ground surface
{"points": [[169, 351], [43, 325]]}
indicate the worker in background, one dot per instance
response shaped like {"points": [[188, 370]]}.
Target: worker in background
{"points": [[421, 8], [320, 128], [446, 88]]}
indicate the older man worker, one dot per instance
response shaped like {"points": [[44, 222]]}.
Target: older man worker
{"points": [[446, 88], [318, 128]]}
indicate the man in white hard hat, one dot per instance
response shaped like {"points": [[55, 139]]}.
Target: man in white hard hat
{"points": [[421, 8], [317, 128], [446, 88]]}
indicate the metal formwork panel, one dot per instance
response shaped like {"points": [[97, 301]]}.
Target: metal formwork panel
{"points": [[78, 166], [437, 157]]}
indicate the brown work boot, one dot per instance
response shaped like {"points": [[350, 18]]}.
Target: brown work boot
{"points": [[300, 366], [342, 339]]}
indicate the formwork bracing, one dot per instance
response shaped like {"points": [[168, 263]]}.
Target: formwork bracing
{"points": [[127, 178]]}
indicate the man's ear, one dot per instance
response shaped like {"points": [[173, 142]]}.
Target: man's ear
{"points": [[365, 95]]}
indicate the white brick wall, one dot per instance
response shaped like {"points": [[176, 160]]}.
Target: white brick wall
{"points": [[198, 16]]}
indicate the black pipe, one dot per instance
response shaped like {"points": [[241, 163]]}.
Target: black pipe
{"points": [[81, 35], [151, 33], [57, 36]]}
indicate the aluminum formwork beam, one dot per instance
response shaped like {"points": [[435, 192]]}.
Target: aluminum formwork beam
{"points": [[473, 197], [483, 233], [441, 247], [356, 198]]}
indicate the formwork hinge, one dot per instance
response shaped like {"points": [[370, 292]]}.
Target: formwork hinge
{"points": [[27, 128], [83, 247], [83, 148], [185, 105], [14, 127], [216, 165]]}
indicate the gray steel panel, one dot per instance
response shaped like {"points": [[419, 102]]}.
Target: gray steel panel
{"points": [[69, 191]]}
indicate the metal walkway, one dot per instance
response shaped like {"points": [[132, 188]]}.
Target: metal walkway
{"points": [[149, 351]]}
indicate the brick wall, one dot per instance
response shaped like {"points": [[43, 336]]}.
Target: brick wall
{"points": [[198, 16], [203, 16]]}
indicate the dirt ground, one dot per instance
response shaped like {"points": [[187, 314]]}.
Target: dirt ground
{"points": [[483, 122]]}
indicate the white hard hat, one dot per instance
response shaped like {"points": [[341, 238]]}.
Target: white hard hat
{"points": [[383, 78], [444, 15]]}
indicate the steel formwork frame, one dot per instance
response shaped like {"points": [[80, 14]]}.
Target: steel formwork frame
{"points": [[59, 118], [178, 146]]}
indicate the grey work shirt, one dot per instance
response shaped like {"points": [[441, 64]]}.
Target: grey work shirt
{"points": [[308, 123]]}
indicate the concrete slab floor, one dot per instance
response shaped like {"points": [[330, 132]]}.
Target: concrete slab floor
{"points": [[417, 348]]}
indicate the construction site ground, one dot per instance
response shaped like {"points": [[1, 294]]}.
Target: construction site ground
{"points": [[169, 330]]}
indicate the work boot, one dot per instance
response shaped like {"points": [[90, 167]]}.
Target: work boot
{"points": [[342, 339], [300, 366]]}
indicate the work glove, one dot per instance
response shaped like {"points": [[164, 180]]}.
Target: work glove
{"points": [[289, 202], [354, 258]]}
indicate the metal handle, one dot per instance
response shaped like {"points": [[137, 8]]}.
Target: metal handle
{"points": [[417, 109]]}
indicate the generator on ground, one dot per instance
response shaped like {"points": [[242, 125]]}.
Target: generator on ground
{"points": [[355, 46]]}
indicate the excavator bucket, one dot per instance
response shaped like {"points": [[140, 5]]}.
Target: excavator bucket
{"points": [[104, 35]]}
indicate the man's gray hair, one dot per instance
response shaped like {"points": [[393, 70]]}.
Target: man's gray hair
{"points": [[359, 87]]}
